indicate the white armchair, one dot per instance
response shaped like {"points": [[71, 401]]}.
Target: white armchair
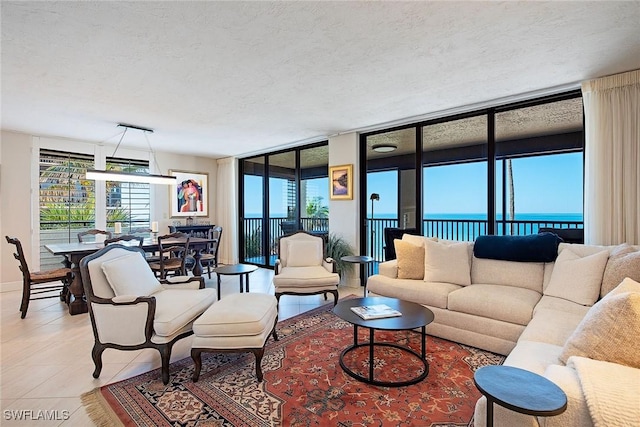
{"points": [[131, 309], [301, 268]]}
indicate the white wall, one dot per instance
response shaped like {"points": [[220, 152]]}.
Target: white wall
{"points": [[19, 191], [343, 214]]}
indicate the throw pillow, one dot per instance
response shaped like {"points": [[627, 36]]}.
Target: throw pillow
{"points": [[447, 263], [417, 240], [304, 253], [627, 285], [131, 275], [608, 332], [410, 260], [624, 261], [577, 278]]}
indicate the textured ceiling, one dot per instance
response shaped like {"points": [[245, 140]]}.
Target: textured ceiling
{"points": [[230, 78]]}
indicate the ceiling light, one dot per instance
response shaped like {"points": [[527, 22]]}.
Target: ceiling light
{"points": [[104, 175], [384, 148]]}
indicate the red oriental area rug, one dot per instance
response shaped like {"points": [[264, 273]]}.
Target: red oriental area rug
{"points": [[303, 385]]}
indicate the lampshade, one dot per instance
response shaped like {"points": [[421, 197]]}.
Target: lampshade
{"points": [[103, 175], [384, 148], [374, 196]]}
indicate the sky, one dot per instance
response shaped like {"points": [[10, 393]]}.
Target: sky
{"points": [[542, 184]]}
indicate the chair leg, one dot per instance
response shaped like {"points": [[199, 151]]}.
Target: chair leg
{"points": [[258, 352], [165, 355], [197, 361], [335, 297], [26, 295], [96, 355]]}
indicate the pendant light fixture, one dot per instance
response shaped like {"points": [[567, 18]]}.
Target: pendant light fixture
{"points": [[104, 175]]}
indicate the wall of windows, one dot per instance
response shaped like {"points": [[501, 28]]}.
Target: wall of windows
{"points": [[67, 201], [510, 169], [281, 193]]}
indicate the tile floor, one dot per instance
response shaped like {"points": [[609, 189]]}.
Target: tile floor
{"points": [[45, 359]]}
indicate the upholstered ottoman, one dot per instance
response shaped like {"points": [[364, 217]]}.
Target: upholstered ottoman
{"points": [[237, 323]]}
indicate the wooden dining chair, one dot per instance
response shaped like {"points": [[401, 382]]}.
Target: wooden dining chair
{"points": [[210, 258], [173, 255], [40, 282], [125, 238], [93, 232]]}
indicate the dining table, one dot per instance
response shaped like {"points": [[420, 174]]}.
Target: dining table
{"points": [[75, 251]]}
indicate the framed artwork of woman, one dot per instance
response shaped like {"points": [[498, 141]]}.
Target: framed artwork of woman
{"points": [[189, 195]]}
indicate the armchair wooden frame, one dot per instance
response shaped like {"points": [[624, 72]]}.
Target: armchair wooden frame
{"points": [[278, 267], [98, 347]]}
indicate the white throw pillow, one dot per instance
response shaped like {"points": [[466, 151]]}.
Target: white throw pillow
{"points": [[303, 253], [417, 240], [447, 263], [131, 275], [608, 331], [577, 278]]}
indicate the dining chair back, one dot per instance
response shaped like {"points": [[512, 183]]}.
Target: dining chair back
{"points": [[83, 235], [125, 238], [40, 282], [173, 250], [210, 258]]}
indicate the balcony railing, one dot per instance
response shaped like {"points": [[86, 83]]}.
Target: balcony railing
{"points": [[450, 229]]}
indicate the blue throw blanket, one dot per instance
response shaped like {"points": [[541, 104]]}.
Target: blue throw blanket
{"points": [[541, 247]]}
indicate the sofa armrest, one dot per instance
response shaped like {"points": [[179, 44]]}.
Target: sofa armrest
{"points": [[389, 268]]}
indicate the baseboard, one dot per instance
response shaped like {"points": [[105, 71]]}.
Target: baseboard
{"points": [[11, 286]]}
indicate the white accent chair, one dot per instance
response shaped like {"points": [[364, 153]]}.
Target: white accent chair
{"points": [[301, 268], [131, 309]]}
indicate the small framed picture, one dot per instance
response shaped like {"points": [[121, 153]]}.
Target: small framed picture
{"points": [[341, 182], [189, 195]]}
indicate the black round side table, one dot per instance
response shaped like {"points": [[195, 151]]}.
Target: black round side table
{"points": [[242, 270], [360, 259], [520, 391]]}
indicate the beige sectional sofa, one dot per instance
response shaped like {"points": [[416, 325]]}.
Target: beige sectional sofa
{"points": [[527, 312]]}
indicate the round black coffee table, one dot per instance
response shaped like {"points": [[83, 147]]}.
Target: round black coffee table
{"points": [[413, 316], [241, 270], [519, 390]]}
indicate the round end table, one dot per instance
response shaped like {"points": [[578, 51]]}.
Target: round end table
{"points": [[520, 391]]}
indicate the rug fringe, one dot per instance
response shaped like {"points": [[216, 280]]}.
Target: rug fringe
{"points": [[99, 410]]}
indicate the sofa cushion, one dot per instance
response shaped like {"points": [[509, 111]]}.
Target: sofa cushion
{"points": [[447, 262], [577, 278], [131, 275], [304, 277], [433, 294], [509, 273], [176, 308], [505, 303], [624, 261], [609, 331], [559, 304], [542, 247], [410, 260], [551, 326], [533, 356]]}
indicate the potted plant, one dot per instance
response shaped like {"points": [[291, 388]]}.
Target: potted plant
{"points": [[336, 248]]}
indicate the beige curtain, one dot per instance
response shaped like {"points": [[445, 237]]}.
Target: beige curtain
{"points": [[227, 210], [612, 159]]}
